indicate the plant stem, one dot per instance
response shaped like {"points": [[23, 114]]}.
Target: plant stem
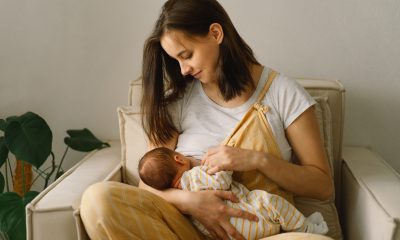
{"points": [[8, 188], [23, 178], [34, 180], [9, 166], [53, 168], [62, 160], [41, 172]]}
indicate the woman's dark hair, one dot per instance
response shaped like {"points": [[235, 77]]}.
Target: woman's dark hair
{"points": [[160, 72]]}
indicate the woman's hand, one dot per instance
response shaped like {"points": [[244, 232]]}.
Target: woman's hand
{"points": [[231, 159], [210, 210]]}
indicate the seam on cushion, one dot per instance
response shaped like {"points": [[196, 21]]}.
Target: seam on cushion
{"points": [[123, 142], [29, 222], [79, 225], [54, 209]]}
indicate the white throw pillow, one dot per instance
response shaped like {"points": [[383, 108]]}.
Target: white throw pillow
{"points": [[133, 143]]}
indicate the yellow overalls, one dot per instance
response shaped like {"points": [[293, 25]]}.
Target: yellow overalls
{"points": [[254, 132]]}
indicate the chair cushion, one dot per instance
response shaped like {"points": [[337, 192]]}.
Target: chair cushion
{"points": [[133, 142]]}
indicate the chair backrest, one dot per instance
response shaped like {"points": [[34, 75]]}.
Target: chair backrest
{"points": [[330, 113]]}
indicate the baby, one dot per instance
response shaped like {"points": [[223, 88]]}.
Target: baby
{"points": [[162, 168]]}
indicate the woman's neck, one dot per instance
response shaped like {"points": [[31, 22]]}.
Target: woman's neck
{"points": [[213, 92]]}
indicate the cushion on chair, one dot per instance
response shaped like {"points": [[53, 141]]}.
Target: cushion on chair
{"points": [[133, 142]]}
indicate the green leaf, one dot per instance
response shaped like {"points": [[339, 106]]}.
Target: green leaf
{"points": [[2, 183], [3, 151], [12, 214], [10, 119], [29, 138], [3, 125], [83, 140]]}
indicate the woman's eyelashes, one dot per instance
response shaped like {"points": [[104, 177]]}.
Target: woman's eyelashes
{"points": [[187, 56]]}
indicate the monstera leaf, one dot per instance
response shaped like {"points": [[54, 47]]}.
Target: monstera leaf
{"points": [[29, 138], [83, 140], [12, 214]]}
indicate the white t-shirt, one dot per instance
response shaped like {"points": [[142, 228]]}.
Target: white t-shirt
{"points": [[203, 124]]}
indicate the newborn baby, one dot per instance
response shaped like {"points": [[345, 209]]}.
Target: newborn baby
{"points": [[162, 168]]}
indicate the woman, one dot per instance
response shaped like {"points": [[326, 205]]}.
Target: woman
{"points": [[212, 78]]}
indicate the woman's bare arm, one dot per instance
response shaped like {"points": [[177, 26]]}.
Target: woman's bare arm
{"points": [[311, 177]]}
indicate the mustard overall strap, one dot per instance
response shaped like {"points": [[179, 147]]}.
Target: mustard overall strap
{"points": [[254, 132], [271, 77]]}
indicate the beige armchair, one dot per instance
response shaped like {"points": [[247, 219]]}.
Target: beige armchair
{"points": [[367, 188]]}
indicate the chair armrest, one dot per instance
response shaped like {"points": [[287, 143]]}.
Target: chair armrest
{"points": [[370, 196], [51, 214]]}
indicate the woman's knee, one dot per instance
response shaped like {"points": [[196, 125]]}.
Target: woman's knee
{"points": [[95, 192], [106, 197], [94, 197]]}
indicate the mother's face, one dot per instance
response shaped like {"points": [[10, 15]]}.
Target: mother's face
{"points": [[197, 55]]}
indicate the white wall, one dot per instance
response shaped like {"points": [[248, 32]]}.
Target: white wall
{"points": [[71, 60]]}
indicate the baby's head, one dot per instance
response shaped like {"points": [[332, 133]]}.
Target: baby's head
{"points": [[162, 168]]}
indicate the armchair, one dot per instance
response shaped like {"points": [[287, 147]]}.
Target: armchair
{"points": [[367, 188]]}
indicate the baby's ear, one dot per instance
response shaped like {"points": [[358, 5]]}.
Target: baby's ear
{"points": [[178, 159]]}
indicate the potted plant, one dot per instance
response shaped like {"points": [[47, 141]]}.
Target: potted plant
{"points": [[29, 138]]}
